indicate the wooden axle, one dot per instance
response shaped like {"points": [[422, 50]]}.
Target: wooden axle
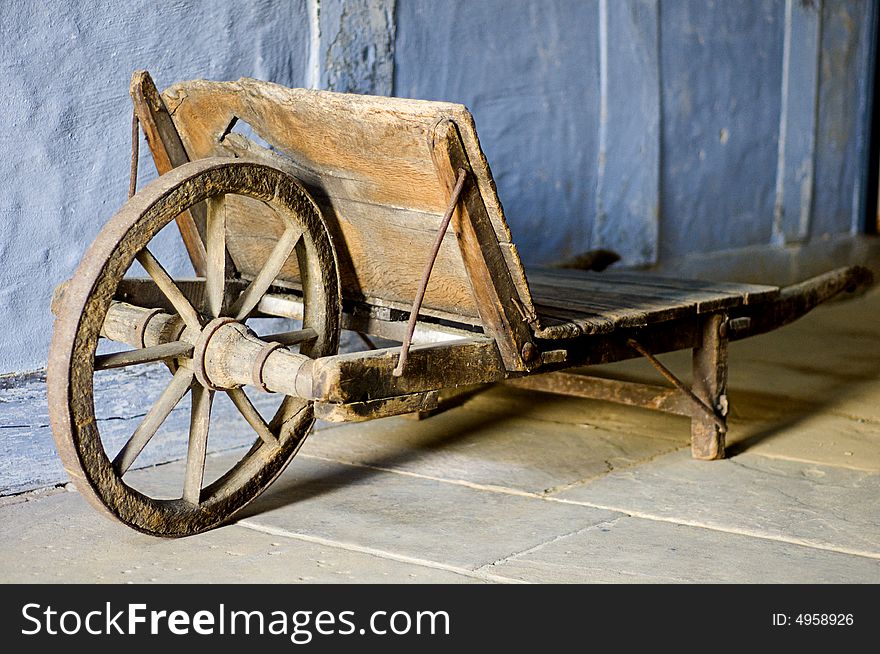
{"points": [[139, 327], [226, 354], [225, 351]]}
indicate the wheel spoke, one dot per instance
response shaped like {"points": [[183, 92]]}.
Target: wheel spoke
{"points": [[291, 338], [215, 277], [252, 295], [249, 412], [309, 279], [169, 289], [161, 352], [200, 421], [154, 418]]}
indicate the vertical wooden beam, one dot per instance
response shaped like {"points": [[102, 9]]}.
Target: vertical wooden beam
{"points": [[795, 173], [710, 385], [628, 189], [168, 152], [494, 290]]}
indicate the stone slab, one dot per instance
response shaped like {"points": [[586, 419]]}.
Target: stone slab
{"points": [[28, 459], [821, 438], [830, 387], [411, 516], [515, 450], [631, 550], [823, 506], [506, 402], [59, 538]]}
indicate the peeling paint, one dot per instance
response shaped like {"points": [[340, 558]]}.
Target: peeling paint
{"points": [[357, 46]]}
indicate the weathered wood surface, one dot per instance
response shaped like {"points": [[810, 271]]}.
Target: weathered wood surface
{"points": [[503, 316], [383, 408], [710, 385], [169, 289], [227, 356], [252, 416], [378, 321], [140, 327], [708, 295], [614, 299], [570, 303], [168, 152], [381, 170], [155, 416], [364, 376], [798, 299], [199, 426], [267, 274], [610, 343], [572, 384], [215, 274], [170, 350], [361, 377], [368, 162], [143, 292]]}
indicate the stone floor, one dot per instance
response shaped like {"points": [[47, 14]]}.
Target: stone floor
{"points": [[513, 487]]}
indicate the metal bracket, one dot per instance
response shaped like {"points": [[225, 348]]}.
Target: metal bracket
{"points": [[426, 275], [698, 404]]}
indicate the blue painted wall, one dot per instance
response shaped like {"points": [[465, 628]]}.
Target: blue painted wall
{"points": [[720, 96], [651, 128], [841, 125], [65, 67], [556, 104], [531, 78]]}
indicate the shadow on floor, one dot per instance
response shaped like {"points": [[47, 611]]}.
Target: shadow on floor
{"points": [[292, 490], [758, 416]]}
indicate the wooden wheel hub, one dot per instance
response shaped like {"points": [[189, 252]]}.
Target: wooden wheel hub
{"points": [[228, 355], [200, 349]]}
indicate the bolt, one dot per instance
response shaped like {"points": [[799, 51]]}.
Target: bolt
{"points": [[529, 351]]}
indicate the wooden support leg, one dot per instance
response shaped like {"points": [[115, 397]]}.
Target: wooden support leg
{"points": [[710, 385]]}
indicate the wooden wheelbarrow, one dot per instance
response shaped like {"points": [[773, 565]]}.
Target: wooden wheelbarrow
{"points": [[377, 215]]}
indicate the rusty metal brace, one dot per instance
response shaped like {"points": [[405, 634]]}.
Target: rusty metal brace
{"points": [[699, 404], [135, 143], [367, 341], [423, 286]]}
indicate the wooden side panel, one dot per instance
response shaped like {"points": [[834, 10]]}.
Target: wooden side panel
{"points": [[486, 264], [367, 161]]}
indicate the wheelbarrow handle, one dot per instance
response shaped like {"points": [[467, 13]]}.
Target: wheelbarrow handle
{"points": [[795, 301]]}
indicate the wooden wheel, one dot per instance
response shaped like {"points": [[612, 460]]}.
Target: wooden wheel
{"points": [[188, 340]]}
